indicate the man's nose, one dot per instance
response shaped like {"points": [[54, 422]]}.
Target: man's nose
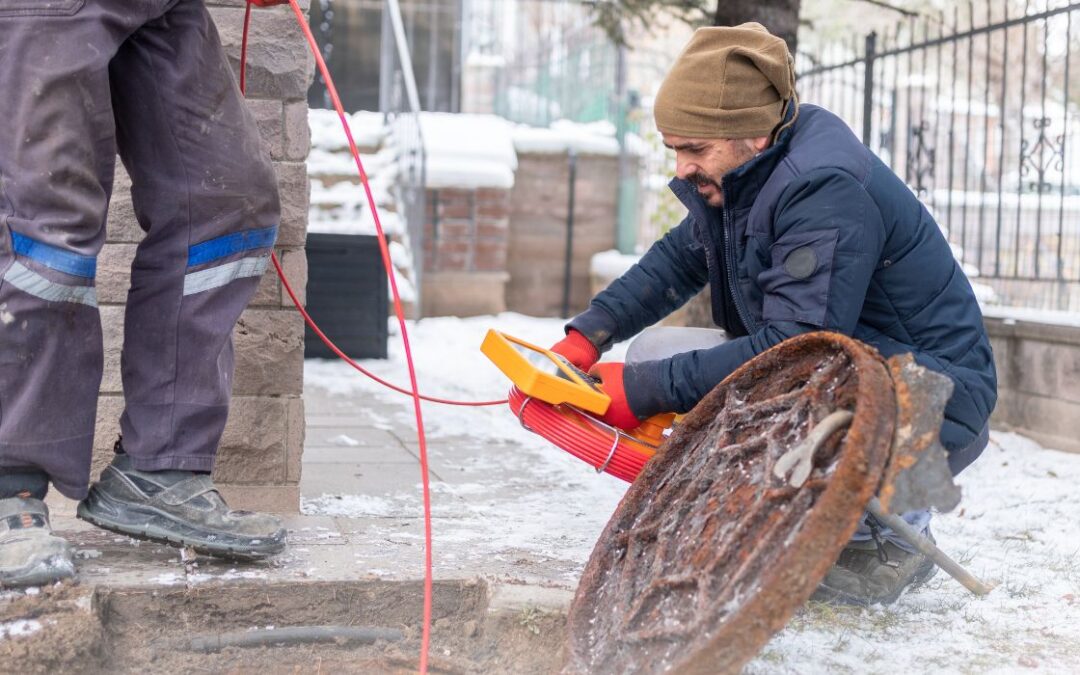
{"points": [[683, 168]]}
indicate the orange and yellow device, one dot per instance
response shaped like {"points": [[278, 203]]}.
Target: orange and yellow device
{"points": [[569, 403], [543, 374]]}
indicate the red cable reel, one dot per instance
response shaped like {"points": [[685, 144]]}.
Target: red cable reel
{"points": [[604, 447]]}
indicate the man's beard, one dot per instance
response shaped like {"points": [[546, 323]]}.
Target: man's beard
{"points": [[700, 180], [743, 155]]}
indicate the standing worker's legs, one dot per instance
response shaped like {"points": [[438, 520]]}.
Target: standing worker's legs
{"points": [[57, 149], [205, 193]]}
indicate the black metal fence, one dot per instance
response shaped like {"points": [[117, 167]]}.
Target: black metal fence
{"points": [[974, 109]]}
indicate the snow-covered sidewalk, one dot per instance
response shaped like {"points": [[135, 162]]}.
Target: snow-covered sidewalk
{"points": [[507, 504]]}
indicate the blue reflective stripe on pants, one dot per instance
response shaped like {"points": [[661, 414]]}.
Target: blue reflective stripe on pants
{"points": [[231, 244], [54, 257]]}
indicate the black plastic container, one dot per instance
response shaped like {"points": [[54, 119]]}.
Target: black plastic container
{"points": [[346, 295]]}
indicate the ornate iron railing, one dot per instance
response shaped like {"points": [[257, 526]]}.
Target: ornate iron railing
{"points": [[973, 109]]}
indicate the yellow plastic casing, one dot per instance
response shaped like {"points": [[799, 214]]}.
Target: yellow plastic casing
{"points": [[569, 386]]}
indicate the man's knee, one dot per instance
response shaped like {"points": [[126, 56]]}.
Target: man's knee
{"points": [[663, 342]]}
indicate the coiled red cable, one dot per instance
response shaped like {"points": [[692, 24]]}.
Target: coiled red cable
{"points": [[582, 436]]}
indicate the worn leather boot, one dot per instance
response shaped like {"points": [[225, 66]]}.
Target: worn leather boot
{"points": [[30, 554], [873, 572], [179, 508]]}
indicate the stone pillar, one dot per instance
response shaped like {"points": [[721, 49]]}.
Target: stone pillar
{"points": [[258, 466]]}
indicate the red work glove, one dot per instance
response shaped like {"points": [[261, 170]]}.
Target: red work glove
{"points": [[268, 3], [577, 349], [611, 383]]}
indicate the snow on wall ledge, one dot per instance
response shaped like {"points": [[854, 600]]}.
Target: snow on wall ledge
{"points": [[468, 151], [480, 151]]}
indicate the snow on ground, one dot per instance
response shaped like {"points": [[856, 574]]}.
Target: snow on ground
{"points": [[543, 503], [19, 628], [1017, 525]]}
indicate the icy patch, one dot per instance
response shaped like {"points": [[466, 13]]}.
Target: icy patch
{"points": [[344, 441], [231, 575], [350, 506]]}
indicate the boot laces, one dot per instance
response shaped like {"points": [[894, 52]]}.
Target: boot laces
{"points": [[875, 533]]}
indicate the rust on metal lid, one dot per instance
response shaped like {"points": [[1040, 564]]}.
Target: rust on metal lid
{"points": [[917, 475], [710, 552]]}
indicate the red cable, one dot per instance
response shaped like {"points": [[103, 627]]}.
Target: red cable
{"points": [[303, 312], [243, 45], [581, 437], [344, 357], [425, 640]]}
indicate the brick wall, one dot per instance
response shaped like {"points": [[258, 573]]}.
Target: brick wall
{"points": [[259, 462], [538, 213], [466, 236]]}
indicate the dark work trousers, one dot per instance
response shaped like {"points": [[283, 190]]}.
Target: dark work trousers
{"points": [[82, 80]]}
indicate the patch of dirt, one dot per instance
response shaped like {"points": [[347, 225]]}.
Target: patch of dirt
{"points": [[66, 634], [68, 628], [149, 629]]}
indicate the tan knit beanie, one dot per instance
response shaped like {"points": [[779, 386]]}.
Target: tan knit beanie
{"points": [[729, 82]]}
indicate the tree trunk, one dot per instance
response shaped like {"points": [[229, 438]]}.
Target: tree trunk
{"points": [[781, 17]]}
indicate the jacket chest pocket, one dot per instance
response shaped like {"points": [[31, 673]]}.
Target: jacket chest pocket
{"points": [[16, 8], [796, 286]]}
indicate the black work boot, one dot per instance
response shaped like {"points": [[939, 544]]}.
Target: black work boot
{"points": [[30, 554], [179, 508], [872, 572]]}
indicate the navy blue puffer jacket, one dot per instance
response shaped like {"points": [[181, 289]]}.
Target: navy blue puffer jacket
{"points": [[816, 233]]}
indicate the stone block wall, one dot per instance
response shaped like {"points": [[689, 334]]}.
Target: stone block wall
{"points": [[539, 201], [466, 237], [1038, 368], [258, 465]]}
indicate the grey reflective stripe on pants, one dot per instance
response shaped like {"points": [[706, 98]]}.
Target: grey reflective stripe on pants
{"points": [[151, 82], [29, 281]]}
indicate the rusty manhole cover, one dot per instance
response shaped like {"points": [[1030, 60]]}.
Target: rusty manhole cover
{"points": [[709, 553]]}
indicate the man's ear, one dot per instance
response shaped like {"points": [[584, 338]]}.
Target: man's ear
{"points": [[760, 143]]}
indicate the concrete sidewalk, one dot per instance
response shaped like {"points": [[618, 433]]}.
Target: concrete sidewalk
{"points": [[494, 511]]}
